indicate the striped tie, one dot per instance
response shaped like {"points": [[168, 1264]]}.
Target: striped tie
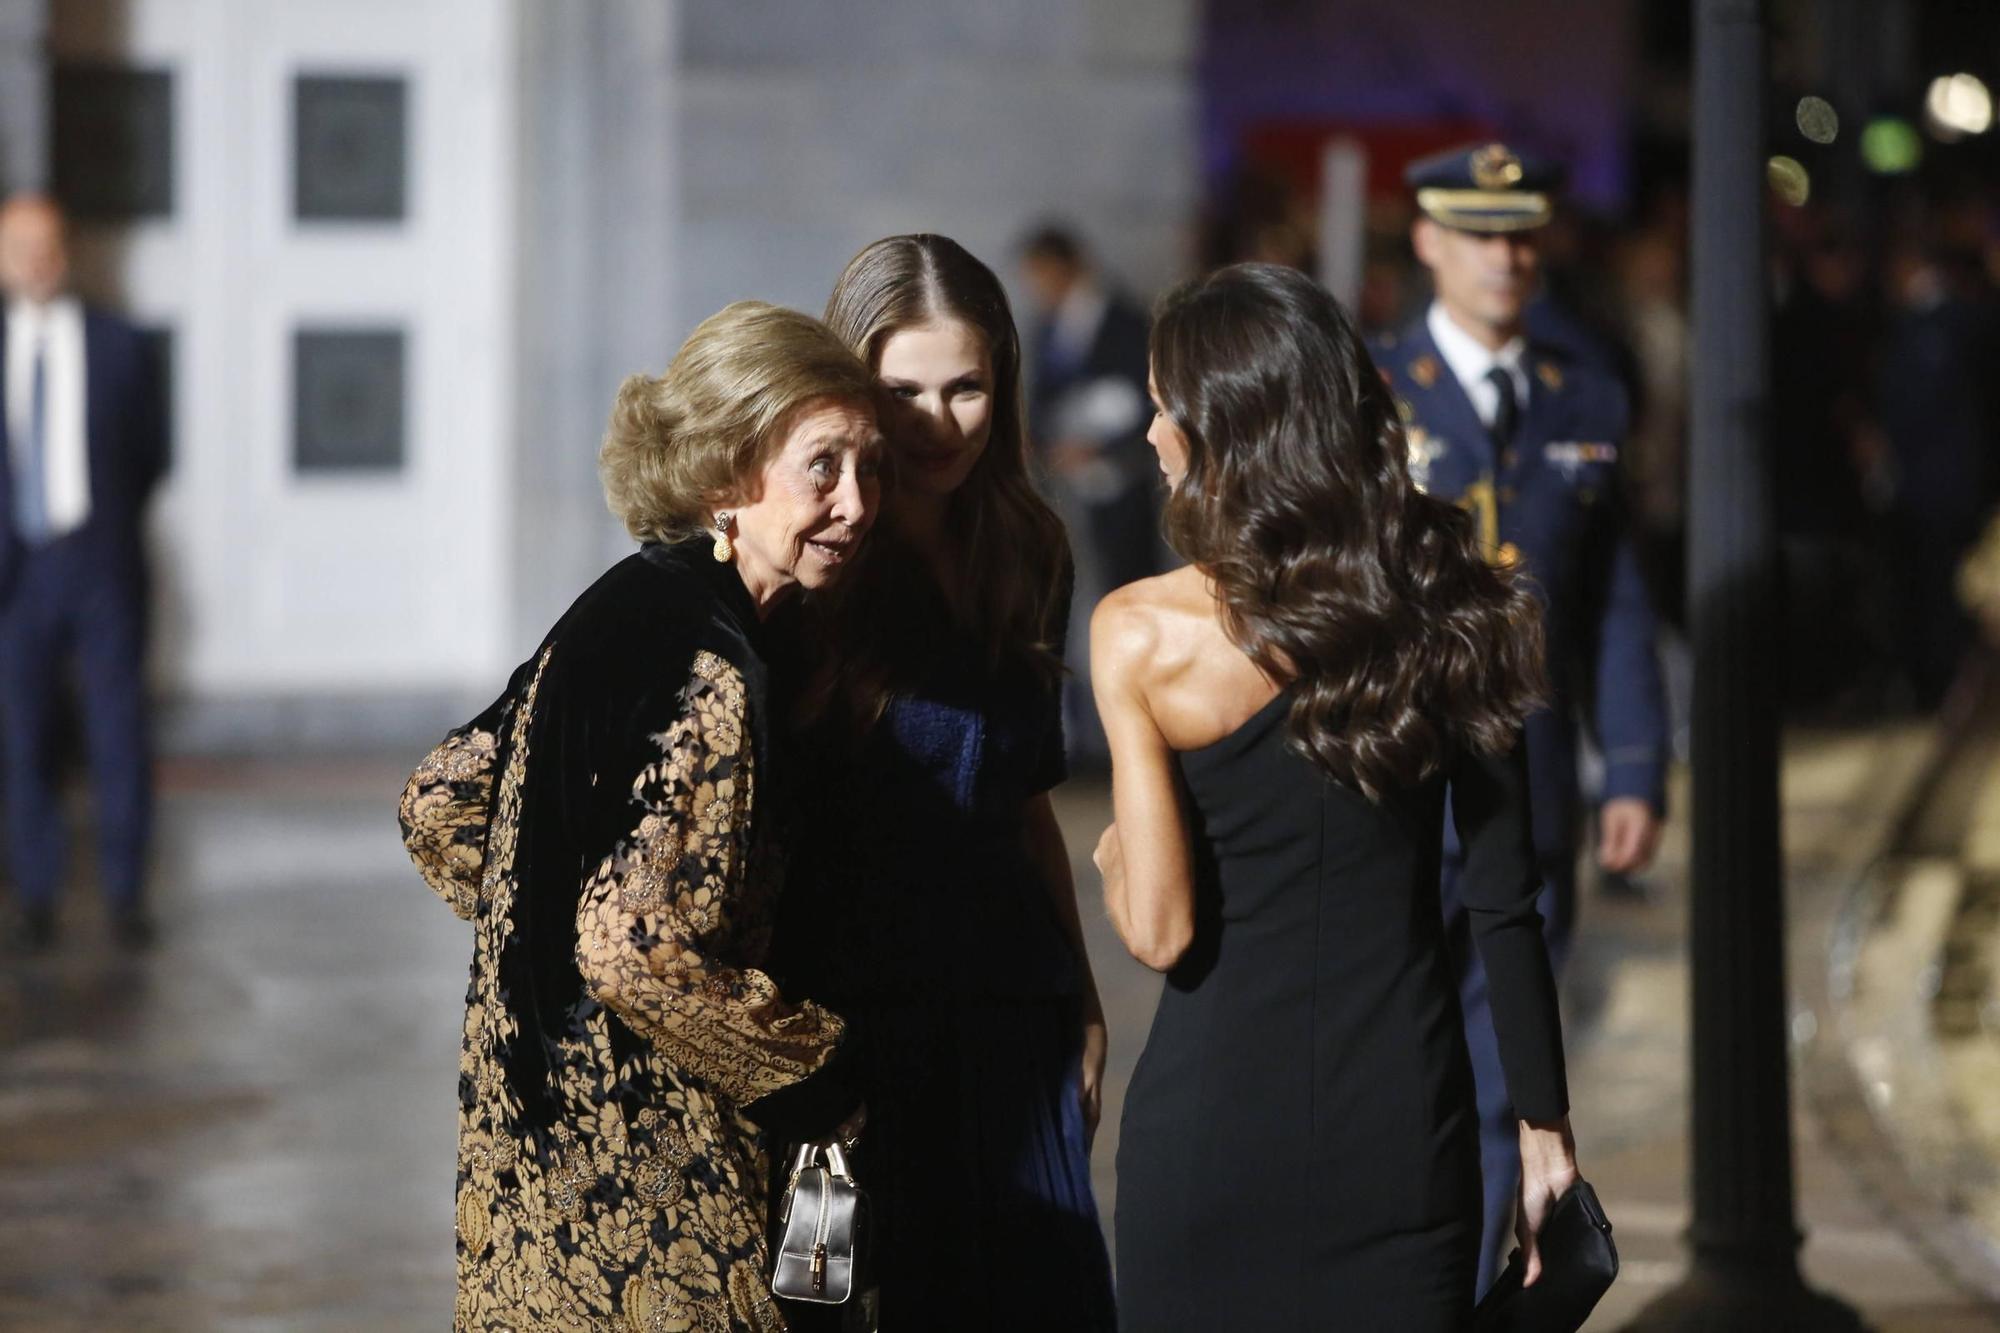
{"points": [[31, 486]]}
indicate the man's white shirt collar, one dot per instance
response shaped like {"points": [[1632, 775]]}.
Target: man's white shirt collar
{"points": [[56, 330], [1471, 361]]}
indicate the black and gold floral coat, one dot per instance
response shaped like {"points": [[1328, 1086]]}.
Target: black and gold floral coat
{"points": [[606, 827]]}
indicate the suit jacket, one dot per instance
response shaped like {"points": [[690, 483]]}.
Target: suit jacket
{"points": [[1116, 351], [125, 425], [1552, 500]]}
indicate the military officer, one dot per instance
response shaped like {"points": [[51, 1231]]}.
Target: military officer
{"points": [[1526, 437]]}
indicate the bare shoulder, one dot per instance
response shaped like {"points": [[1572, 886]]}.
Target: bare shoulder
{"points": [[1146, 620], [1123, 620]]}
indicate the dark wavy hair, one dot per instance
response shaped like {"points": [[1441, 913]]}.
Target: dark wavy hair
{"points": [[1334, 571], [1013, 553]]}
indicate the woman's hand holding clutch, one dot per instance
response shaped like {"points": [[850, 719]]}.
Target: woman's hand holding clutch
{"points": [[1548, 1168]]}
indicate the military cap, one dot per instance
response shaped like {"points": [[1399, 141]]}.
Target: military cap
{"points": [[1489, 187]]}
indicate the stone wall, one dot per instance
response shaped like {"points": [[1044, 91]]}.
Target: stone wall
{"points": [[809, 130], [24, 102]]}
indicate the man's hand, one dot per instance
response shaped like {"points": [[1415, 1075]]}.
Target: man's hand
{"points": [[1628, 833]]}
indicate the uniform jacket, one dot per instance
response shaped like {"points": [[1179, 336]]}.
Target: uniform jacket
{"points": [[1552, 500]]}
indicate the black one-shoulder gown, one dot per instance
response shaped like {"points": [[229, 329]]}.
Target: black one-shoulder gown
{"points": [[1299, 1148]]}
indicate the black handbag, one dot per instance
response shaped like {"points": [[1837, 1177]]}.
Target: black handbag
{"points": [[1578, 1265], [822, 1229]]}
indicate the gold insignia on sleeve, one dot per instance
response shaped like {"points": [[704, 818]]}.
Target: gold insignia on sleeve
{"points": [[1550, 374], [1404, 412], [1424, 370], [1484, 506], [1425, 449], [1569, 455], [1495, 167]]}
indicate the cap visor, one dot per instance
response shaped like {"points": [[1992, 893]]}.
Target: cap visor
{"points": [[1486, 210]]}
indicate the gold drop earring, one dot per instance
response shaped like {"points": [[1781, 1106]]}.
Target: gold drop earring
{"points": [[724, 548]]}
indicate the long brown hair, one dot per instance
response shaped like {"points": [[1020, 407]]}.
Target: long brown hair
{"points": [[1333, 569], [1013, 554]]}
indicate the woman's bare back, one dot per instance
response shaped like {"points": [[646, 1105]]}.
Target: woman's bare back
{"points": [[1197, 684]]}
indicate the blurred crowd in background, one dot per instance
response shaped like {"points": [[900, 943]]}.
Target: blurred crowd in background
{"points": [[417, 332], [1885, 285]]}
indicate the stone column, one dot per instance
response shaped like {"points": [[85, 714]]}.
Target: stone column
{"points": [[597, 239], [24, 95]]}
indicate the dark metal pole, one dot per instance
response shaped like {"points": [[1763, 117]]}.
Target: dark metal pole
{"points": [[1745, 1241]]}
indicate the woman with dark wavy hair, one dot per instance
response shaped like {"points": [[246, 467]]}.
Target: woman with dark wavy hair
{"points": [[1286, 714], [938, 913]]}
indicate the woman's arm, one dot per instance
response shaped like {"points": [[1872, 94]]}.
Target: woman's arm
{"points": [[657, 920], [1051, 859], [444, 809], [1499, 885], [1145, 856]]}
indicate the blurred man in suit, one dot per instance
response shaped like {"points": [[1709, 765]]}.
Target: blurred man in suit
{"points": [[1525, 434], [84, 436], [1087, 416]]}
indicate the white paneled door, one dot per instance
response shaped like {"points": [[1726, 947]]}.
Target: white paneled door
{"points": [[336, 273]]}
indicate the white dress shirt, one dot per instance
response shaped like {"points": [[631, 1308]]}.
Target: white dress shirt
{"points": [[1471, 362], [1095, 412], [56, 329]]}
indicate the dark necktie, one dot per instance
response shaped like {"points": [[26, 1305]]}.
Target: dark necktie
{"points": [[1506, 408], [31, 486]]}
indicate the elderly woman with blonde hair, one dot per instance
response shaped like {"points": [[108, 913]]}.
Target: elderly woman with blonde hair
{"points": [[606, 826]]}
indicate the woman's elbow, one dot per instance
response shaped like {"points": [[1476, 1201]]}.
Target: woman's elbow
{"points": [[1159, 945], [606, 969], [602, 984]]}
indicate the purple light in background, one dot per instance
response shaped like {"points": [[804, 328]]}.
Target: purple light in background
{"points": [[1554, 75]]}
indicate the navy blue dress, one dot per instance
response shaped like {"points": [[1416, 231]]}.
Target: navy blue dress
{"points": [[914, 910]]}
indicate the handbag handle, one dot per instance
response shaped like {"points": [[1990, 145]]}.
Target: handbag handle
{"points": [[807, 1155]]}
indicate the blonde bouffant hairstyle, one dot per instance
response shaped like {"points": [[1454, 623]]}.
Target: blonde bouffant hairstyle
{"points": [[679, 442]]}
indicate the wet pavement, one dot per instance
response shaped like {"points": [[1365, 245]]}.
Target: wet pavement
{"points": [[251, 1127]]}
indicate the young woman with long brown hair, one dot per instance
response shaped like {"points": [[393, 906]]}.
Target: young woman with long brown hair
{"points": [[937, 911], [1299, 1146]]}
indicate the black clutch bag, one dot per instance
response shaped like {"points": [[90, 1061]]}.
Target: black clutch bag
{"points": [[1578, 1265]]}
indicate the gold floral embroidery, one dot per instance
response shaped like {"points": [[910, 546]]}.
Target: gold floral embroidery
{"points": [[649, 925], [641, 1205], [658, 1184], [750, 1297], [443, 816]]}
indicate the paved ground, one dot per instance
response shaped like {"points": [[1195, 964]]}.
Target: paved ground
{"points": [[252, 1128]]}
